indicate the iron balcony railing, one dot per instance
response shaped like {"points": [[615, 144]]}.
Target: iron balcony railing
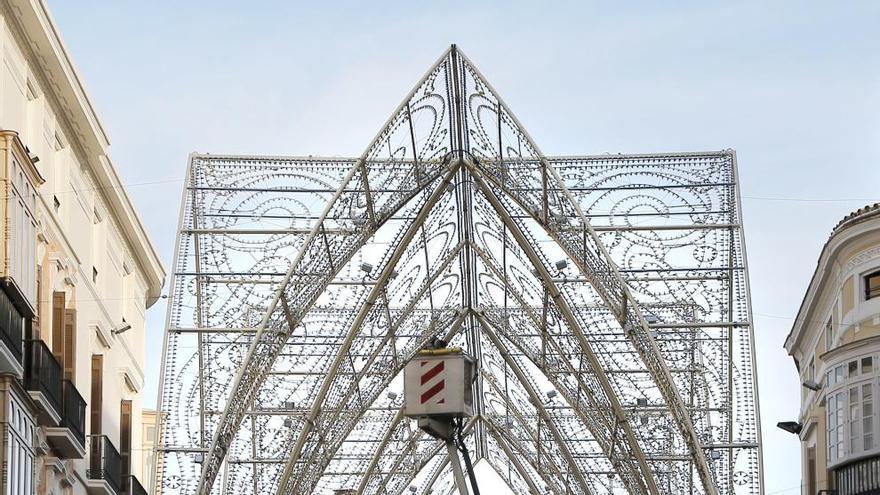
{"points": [[134, 487], [42, 372], [11, 326], [105, 463], [73, 414]]}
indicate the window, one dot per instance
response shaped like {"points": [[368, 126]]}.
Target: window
{"points": [[56, 203], [868, 416], [835, 426], [851, 419], [872, 285], [829, 335], [94, 275], [854, 406]]}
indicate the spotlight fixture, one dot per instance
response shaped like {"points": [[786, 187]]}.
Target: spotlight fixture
{"points": [[790, 426], [121, 328], [812, 385]]}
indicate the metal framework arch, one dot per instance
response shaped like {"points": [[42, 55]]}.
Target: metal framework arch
{"points": [[301, 285]]}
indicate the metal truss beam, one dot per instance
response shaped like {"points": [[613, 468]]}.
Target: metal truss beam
{"points": [[534, 437], [378, 289], [595, 264], [640, 473], [526, 384]]}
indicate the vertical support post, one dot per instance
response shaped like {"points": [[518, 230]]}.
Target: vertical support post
{"points": [[457, 473]]}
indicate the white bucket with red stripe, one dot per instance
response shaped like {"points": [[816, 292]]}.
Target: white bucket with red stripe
{"points": [[439, 382]]}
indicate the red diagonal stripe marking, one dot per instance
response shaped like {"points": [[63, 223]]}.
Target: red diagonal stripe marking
{"points": [[431, 392], [431, 373]]}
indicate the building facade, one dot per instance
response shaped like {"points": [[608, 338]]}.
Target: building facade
{"points": [[148, 446], [78, 273], [835, 343]]}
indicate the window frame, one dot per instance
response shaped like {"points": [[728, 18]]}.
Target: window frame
{"points": [[867, 292], [844, 378], [829, 334]]}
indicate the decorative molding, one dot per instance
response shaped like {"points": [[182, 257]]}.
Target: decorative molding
{"points": [[105, 335], [132, 380], [863, 257]]}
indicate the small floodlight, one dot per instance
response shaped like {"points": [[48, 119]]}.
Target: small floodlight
{"points": [[790, 426], [123, 327], [561, 264], [812, 385]]}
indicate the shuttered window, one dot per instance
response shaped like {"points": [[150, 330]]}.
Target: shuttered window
{"points": [[97, 393], [58, 301], [35, 330], [64, 335], [69, 354], [125, 437]]}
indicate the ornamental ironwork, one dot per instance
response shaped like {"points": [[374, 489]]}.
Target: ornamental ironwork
{"points": [[605, 298]]}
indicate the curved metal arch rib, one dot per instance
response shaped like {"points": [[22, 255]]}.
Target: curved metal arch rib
{"points": [[630, 464], [583, 245], [321, 258]]}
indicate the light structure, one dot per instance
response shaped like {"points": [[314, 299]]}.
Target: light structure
{"points": [[605, 299]]}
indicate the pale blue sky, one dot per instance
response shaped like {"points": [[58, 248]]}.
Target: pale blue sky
{"points": [[794, 87]]}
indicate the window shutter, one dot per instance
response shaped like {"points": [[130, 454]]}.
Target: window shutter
{"points": [[35, 332], [69, 361], [125, 438], [58, 324], [97, 393]]}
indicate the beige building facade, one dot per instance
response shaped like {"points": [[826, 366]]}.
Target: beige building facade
{"points": [[835, 343], [78, 274]]}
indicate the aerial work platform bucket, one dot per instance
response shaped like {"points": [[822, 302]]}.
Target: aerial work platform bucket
{"points": [[438, 383], [438, 392]]}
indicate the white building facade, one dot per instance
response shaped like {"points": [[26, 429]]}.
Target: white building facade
{"points": [[78, 273]]}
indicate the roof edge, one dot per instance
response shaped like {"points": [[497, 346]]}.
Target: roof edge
{"points": [[44, 39], [823, 265]]}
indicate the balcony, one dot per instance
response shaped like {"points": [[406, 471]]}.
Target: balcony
{"points": [[42, 379], [69, 437], [133, 487], [19, 180], [12, 323], [104, 474]]}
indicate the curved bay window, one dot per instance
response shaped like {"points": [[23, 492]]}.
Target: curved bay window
{"points": [[850, 407]]}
